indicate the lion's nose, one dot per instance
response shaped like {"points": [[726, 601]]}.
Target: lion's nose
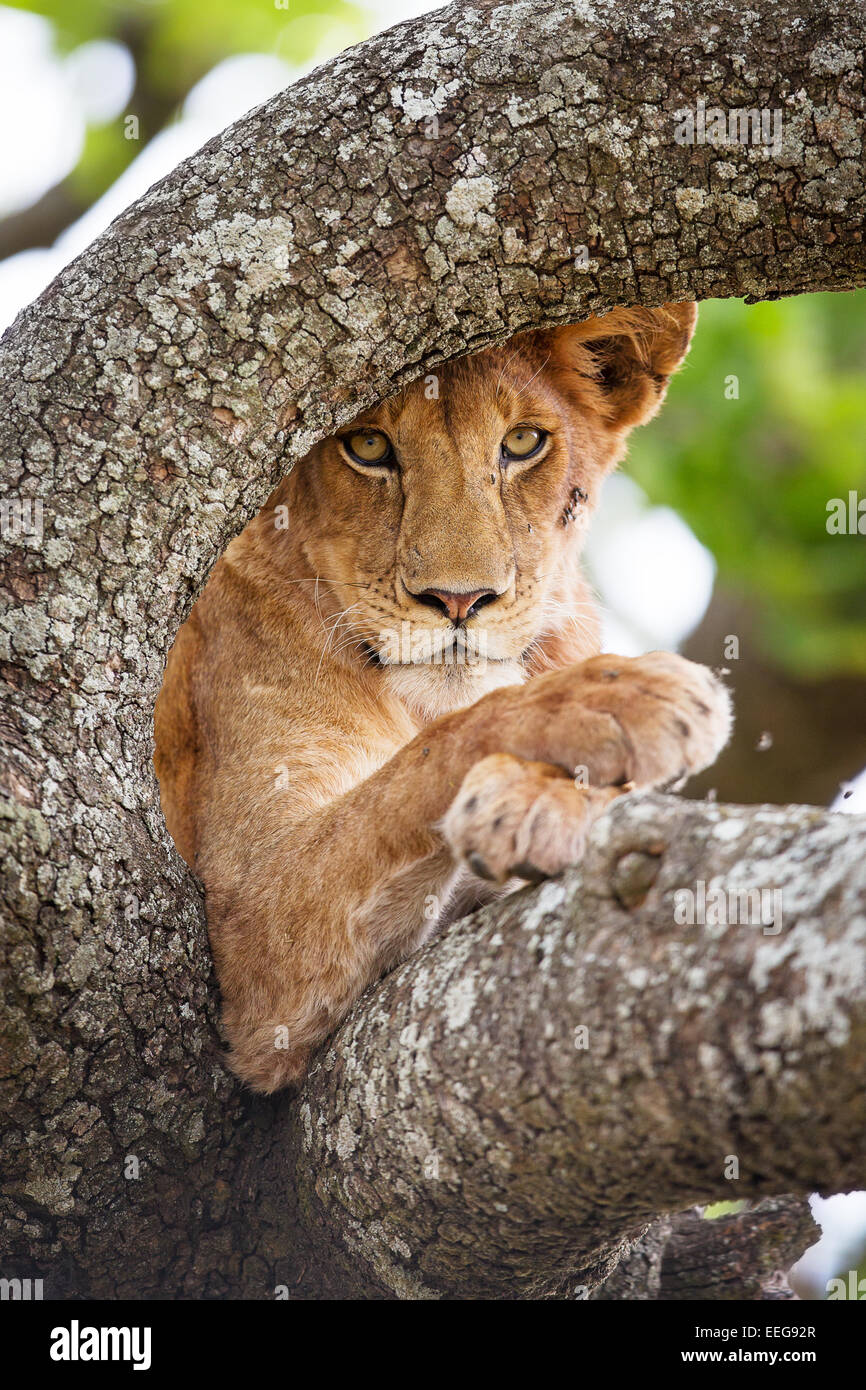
{"points": [[457, 607]]}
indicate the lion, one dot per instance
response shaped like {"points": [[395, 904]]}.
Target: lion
{"points": [[373, 718]]}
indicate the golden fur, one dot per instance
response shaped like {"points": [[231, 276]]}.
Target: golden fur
{"points": [[341, 772]]}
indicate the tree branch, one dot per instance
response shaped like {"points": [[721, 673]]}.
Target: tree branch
{"points": [[743, 1255], [523, 1158]]}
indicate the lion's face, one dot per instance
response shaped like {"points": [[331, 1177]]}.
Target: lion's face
{"points": [[446, 523]]}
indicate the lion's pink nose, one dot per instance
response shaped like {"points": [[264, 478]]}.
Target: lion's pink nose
{"points": [[458, 607]]}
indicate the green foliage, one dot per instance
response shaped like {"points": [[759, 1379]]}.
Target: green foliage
{"points": [[717, 1209], [753, 476], [174, 43], [103, 159], [181, 40]]}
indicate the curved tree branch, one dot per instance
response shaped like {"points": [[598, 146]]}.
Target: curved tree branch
{"points": [[567, 1064], [431, 192], [744, 1255]]}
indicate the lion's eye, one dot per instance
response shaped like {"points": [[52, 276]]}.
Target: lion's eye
{"points": [[369, 446], [522, 442]]}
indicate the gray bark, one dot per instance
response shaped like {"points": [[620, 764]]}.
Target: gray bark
{"points": [[740, 1256], [325, 249], [705, 1044]]}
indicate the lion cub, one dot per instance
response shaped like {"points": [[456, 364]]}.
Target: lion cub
{"points": [[384, 691]]}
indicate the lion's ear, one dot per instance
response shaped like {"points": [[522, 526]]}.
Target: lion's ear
{"points": [[620, 365]]}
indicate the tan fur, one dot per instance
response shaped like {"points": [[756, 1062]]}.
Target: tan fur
{"points": [[330, 789]]}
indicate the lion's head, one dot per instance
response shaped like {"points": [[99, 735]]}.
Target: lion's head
{"points": [[444, 525]]}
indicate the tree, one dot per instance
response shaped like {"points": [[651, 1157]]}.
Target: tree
{"points": [[456, 180]]}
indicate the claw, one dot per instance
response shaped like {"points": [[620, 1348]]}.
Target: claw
{"points": [[530, 872], [478, 866]]}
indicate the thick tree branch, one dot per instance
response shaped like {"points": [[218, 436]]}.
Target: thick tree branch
{"points": [[463, 1079], [456, 180], [743, 1255], [740, 1257]]}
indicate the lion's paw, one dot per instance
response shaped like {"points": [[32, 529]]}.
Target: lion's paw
{"points": [[517, 819]]}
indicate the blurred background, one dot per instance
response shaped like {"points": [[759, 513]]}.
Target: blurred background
{"points": [[714, 537]]}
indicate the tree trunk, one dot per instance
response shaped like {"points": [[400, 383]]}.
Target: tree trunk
{"points": [[456, 180]]}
